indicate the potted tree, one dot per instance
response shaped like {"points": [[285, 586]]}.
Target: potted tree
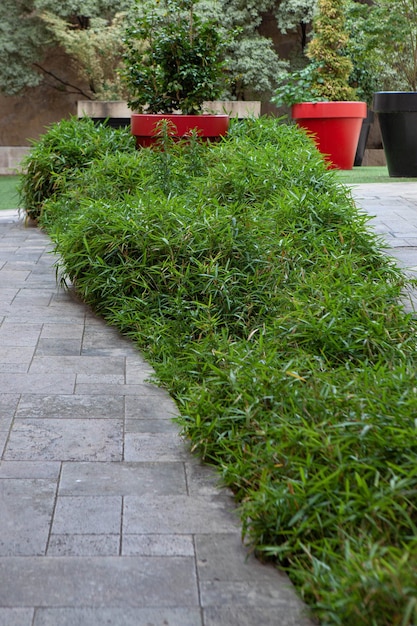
{"points": [[173, 64], [394, 37], [321, 98]]}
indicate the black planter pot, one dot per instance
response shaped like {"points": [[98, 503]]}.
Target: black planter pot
{"points": [[397, 115], [113, 122], [363, 137], [114, 113]]}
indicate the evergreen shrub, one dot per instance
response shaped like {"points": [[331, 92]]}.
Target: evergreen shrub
{"points": [[251, 281], [66, 147]]}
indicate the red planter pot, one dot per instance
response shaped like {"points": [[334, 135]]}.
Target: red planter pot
{"points": [[209, 127], [335, 127]]}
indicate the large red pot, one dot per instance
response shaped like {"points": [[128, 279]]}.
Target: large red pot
{"points": [[335, 127], [209, 127]]}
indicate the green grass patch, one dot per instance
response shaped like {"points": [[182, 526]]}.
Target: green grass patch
{"points": [[370, 174], [251, 281], [9, 197]]}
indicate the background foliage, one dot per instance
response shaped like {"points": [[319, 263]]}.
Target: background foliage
{"points": [[88, 31], [27, 37], [392, 37], [96, 52]]}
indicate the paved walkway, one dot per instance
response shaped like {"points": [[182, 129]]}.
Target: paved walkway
{"points": [[105, 516], [393, 207]]}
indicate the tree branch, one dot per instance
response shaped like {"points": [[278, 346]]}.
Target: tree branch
{"points": [[62, 82]]}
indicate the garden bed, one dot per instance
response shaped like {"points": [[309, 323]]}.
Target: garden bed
{"points": [[250, 280]]}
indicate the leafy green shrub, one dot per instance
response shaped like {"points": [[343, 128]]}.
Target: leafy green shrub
{"points": [[251, 282], [118, 175], [68, 146], [173, 58]]}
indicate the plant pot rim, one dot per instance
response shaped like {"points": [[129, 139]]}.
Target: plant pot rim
{"points": [[215, 124], [395, 92], [164, 116], [392, 101], [207, 125], [342, 108]]}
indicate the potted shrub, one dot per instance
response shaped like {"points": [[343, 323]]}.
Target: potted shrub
{"points": [[173, 64], [321, 98], [394, 36]]}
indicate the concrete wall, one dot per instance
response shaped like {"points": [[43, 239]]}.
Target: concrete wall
{"points": [[10, 158]]}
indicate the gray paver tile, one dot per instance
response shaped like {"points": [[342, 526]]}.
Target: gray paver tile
{"points": [[122, 479], [62, 331], [67, 297], [104, 351], [260, 616], [16, 354], [41, 279], [17, 335], [16, 617], [223, 557], [16, 368], [58, 347], [93, 379], [202, 480], [13, 277], [159, 447], [26, 507], [65, 440], [118, 617], [54, 382], [3, 441], [106, 341], [84, 545], [78, 364], [98, 582], [30, 469], [116, 389], [8, 401], [41, 314], [31, 296], [251, 593], [151, 426], [157, 545], [7, 294], [92, 321], [137, 370], [87, 515], [178, 514], [8, 405], [69, 406], [158, 406]]}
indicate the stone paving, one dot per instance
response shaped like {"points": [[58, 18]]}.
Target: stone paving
{"points": [[105, 515], [393, 207]]}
